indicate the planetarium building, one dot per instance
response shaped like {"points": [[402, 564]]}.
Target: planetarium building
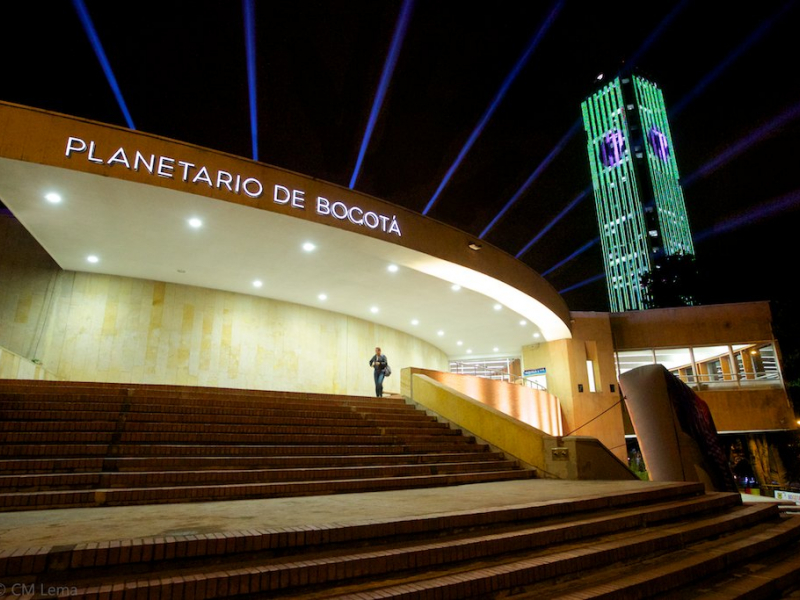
{"points": [[130, 258]]}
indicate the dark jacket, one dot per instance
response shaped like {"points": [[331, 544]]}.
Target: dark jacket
{"points": [[378, 362]]}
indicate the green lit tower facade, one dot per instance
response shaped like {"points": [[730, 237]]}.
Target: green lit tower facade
{"points": [[641, 211]]}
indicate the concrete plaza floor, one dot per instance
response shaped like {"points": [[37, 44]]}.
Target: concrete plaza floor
{"points": [[83, 525]]}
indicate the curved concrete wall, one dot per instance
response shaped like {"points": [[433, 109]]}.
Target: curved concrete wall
{"points": [[38, 137], [115, 329], [88, 327]]}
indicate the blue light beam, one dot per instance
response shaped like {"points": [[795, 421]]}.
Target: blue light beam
{"points": [[743, 144], [495, 103], [763, 211], [580, 284], [730, 59], [94, 39], [248, 12], [388, 69], [579, 198], [574, 130], [630, 64], [575, 254], [533, 177]]}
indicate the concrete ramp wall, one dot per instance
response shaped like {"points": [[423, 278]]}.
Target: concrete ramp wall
{"points": [[515, 438], [538, 408], [552, 456]]}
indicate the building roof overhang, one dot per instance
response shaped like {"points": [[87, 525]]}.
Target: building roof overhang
{"points": [[127, 198]]}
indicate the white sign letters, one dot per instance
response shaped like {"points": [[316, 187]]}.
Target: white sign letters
{"points": [[173, 168]]}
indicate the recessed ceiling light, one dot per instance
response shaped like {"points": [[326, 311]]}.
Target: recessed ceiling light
{"points": [[258, 283], [440, 333], [495, 349], [415, 321], [309, 247], [374, 309], [523, 322], [537, 334], [323, 297], [92, 258], [195, 223], [469, 350], [498, 306], [455, 287], [459, 343], [53, 198], [393, 268]]}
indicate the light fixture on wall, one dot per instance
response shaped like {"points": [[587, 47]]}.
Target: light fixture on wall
{"points": [[474, 246]]}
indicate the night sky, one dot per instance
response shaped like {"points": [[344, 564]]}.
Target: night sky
{"points": [[729, 74]]}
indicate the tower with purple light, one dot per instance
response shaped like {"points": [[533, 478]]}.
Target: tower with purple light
{"points": [[641, 212]]}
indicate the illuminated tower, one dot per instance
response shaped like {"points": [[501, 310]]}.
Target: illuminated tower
{"points": [[640, 208]]}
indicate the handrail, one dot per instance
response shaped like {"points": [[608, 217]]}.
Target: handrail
{"points": [[740, 379], [476, 369]]}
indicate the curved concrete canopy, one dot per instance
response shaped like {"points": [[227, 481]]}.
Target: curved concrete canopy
{"points": [[370, 260]]}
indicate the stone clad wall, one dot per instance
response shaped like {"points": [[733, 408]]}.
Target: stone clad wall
{"points": [[88, 327]]}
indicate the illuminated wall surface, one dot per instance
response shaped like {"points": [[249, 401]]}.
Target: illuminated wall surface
{"points": [[640, 207]]}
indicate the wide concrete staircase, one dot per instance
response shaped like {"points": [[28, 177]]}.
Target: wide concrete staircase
{"points": [[665, 541], [82, 445], [78, 444]]}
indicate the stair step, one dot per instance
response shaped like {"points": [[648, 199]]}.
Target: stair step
{"points": [[52, 420], [190, 493], [311, 436], [77, 436], [42, 482], [166, 463], [574, 561], [188, 449], [773, 576], [639, 508], [506, 559], [678, 574]]}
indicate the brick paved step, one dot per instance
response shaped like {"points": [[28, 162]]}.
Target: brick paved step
{"points": [[50, 426], [193, 415], [74, 439], [159, 495], [166, 463], [69, 437], [182, 450], [773, 575], [59, 481], [10, 406], [670, 573], [198, 400], [640, 507], [755, 562], [344, 404], [179, 394], [521, 552], [212, 433], [277, 425]]}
